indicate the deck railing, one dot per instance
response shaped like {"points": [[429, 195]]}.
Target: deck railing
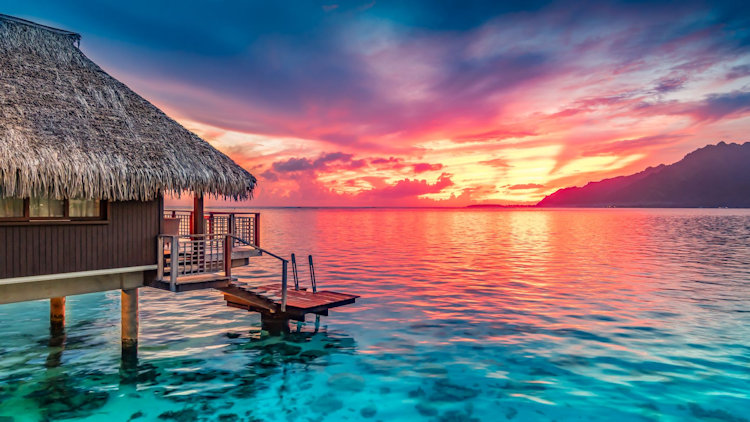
{"points": [[196, 254], [244, 226]]}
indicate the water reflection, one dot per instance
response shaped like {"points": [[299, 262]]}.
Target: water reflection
{"points": [[56, 345], [465, 315]]}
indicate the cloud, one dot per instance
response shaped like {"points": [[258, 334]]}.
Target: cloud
{"points": [[627, 146], [323, 161], [270, 176], [423, 167], [293, 164], [410, 188], [712, 107], [737, 72], [381, 160], [670, 84], [339, 75], [717, 106], [495, 135], [497, 162], [525, 186]]}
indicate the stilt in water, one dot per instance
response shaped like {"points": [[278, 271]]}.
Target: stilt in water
{"points": [[129, 309], [274, 324], [56, 331], [57, 314]]}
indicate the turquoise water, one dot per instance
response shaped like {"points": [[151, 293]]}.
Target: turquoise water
{"points": [[465, 315]]}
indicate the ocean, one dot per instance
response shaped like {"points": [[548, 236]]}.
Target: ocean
{"points": [[464, 315]]}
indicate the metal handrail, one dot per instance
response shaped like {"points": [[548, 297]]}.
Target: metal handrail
{"points": [[294, 272], [284, 265], [312, 274], [256, 247]]}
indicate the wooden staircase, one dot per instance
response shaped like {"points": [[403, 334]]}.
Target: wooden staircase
{"points": [[205, 261]]}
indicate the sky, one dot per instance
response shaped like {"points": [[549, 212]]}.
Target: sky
{"points": [[428, 102]]}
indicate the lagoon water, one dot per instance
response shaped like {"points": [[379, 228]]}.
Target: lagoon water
{"points": [[465, 315]]}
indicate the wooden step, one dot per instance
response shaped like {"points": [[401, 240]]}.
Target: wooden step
{"points": [[201, 278]]}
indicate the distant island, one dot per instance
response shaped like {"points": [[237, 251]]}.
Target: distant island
{"points": [[709, 177], [497, 206]]}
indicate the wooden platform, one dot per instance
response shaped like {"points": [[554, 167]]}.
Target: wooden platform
{"points": [[267, 300], [195, 282]]}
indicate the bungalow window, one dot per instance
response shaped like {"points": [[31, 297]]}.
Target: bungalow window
{"points": [[84, 208], [40, 209], [11, 208], [46, 207]]}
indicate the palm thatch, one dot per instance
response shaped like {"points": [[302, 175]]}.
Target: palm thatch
{"points": [[70, 130]]}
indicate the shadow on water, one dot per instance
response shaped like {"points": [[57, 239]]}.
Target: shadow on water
{"points": [[60, 394], [192, 388]]}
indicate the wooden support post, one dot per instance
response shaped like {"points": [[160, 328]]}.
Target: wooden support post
{"points": [[57, 315], [56, 331], [129, 310], [160, 258], [228, 256], [232, 225], [274, 324], [129, 336], [198, 225], [174, 263], [256, 229]]}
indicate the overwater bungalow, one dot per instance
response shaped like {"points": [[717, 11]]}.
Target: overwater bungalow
{"points": [[85, 164]]}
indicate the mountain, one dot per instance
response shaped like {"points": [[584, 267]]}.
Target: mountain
{"points": [[712, 176]]}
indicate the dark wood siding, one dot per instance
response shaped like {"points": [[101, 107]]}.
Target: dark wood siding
{"points": [[128, 239]]}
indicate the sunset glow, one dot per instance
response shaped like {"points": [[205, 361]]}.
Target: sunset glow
{"points": [[383, 104]]}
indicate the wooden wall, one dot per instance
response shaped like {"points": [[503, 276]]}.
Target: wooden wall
{"points": [[128, 239]]}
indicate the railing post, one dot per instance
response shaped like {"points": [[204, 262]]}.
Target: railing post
{"points": [[312, 274], [228, 255], [160, 258], [256, 229], [232, 226], [283, 285], [174, 257], [294, 272]]}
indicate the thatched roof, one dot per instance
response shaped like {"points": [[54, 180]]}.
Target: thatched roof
{"points": [[68, 129]]}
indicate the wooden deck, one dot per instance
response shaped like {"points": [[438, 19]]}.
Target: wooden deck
{"points": [[205, 261], [267, 300]]}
